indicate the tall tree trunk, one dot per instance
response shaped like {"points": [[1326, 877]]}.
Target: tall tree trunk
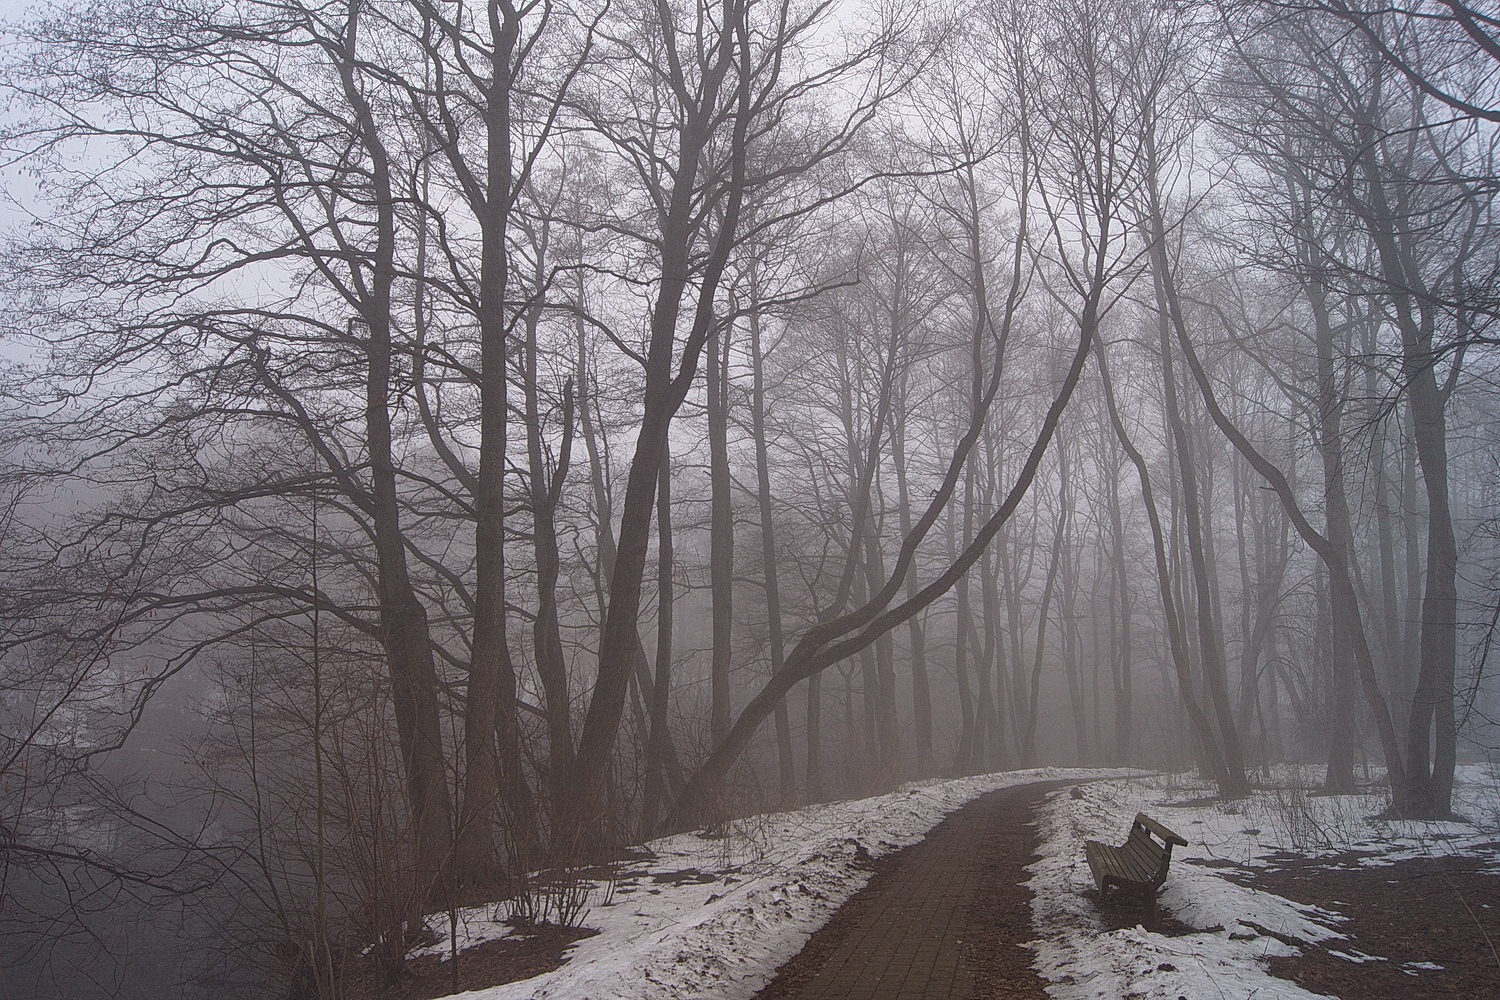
{"points": [[493, 771], [814, 712], [785, 759], [1122, 602], [1385, 538], [720, 533], [869, 736], [992, 695], [1100, 627], [1208, 749], [887, 724], [1413, 516], [921, 692], [979, 318], [1233, 783], [1339, 779], [659, 741], [672, 774], [1432, 738], [986, 728], [1049, 588], [670, 368], [403, 619], [1013, 581], [1068, 603], [963, 761], [546, 634], [1247, 545]]}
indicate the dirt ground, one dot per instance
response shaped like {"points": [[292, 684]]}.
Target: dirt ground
{"points": [[488, 964], [1431, 925]]}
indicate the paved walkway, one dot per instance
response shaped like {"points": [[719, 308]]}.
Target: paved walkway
{"points": [[943, 920]]}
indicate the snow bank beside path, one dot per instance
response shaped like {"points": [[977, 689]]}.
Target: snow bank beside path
{"points": [[716, 917], [1242, 926]]}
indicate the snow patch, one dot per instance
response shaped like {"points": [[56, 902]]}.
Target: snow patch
{"points": [[715, 918], [1240, 928], [765, 889]]}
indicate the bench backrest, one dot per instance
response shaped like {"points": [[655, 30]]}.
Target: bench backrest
{"points": [[1145, 827], [1150, 845]]}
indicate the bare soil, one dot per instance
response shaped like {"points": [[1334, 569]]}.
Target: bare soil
{"points": [[489, 964], [1432, 926]]}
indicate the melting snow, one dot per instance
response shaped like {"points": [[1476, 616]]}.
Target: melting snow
{"points": [[1239, 927], [714, 918], [771, 883]]}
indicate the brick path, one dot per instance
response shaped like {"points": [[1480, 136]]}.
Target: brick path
{"points": [[919, 930]]}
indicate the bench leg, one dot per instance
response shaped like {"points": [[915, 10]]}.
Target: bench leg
{"points": [[1149, 921]]}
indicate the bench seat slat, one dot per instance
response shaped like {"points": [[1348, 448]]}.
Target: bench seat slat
{"points": [[1140, 863], [1142, 860], [1141, 870]]}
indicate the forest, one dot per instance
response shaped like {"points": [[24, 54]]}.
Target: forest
{"points": [[442, 442]]}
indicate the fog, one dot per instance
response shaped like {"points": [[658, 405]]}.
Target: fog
{"points": [[441, 445]]}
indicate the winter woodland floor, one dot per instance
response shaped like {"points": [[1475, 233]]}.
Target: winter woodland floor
{"points": [[1286, 894]]}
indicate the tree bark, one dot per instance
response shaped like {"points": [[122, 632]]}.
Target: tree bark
{"points": [[720, 533], [1338, 528], [921, 692], [668, 380], [1207, 743], [659, 740], [404, 630], [785, 758], [1233, 782]]}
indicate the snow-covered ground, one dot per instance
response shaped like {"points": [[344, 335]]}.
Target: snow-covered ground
{"points": [[1241, 926], [714, 917]]}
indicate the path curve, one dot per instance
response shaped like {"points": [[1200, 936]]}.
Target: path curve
{"points": [[945, 919]]}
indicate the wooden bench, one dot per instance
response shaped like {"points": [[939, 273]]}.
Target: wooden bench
{"points": [[1139, 864]]}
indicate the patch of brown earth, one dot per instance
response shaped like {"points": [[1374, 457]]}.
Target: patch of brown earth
{"points": [[1434, 923], [489, 964], [1119, 909]]}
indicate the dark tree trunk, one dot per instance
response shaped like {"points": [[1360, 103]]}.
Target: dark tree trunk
{"points": [[921, 693], [403, 619], [1207, 743], [1339, 530], [1432, 738], [659, 742], [1123, 602], [785, 759], [963, 761], [1232, 782], [671, 364], [720, 535]]}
